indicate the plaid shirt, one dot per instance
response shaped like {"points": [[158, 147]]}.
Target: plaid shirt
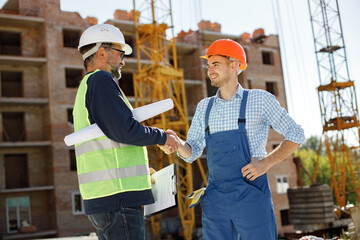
{"points": [[262, 111]]}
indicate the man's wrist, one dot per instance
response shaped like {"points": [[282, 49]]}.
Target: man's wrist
{"points": [[269, 161], [184, 149]]}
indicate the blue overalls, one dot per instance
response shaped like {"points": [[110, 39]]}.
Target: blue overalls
{"points": [[233, 205]]}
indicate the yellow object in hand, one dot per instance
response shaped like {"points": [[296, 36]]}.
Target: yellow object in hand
{"points": [[196, 196]]}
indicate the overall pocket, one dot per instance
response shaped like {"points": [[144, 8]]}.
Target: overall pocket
{"points": [[259, 184]]}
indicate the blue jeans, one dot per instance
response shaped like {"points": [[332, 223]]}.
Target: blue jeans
{"points": [[124, 224]]}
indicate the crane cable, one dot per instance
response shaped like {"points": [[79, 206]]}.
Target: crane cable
{"points": [[305, 88], [300, 66], [280, 31]]}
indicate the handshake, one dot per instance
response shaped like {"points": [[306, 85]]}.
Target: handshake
{"points": [[172, 144]]}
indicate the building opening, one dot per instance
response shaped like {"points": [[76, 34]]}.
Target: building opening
{"points": [[13, 126], [10, 43], [272, 88], [73, 77], [16, 171], [11, 84], [18, 212], [267, 58], [71, 38]]}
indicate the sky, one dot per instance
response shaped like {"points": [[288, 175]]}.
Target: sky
{"points": [[290, 19]]}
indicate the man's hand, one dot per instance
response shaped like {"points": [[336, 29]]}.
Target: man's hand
{"points": [[152, 171], [172, 142], [254, 169]]}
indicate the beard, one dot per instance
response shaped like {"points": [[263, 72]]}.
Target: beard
{"points": [[116, 73], [115, 67], [115, 70]]}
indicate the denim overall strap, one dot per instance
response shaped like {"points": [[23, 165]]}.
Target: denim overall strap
{"points": [[211, 102], [243, 108]]}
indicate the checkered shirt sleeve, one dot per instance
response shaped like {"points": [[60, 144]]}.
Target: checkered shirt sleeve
{"points": [[262, 111]]}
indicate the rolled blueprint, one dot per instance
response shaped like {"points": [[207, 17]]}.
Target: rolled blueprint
{"points": [[140, 114]]}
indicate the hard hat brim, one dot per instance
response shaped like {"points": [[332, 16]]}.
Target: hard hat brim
{"points": [[127, 49], [241, 66]]}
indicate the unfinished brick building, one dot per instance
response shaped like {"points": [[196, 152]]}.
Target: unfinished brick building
{"points": [[40, 69]]}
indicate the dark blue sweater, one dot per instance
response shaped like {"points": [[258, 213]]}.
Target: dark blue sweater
{"points": [[107, 108]]}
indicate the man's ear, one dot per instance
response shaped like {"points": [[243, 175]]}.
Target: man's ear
{"points": [[101, 54], [234, 66]]}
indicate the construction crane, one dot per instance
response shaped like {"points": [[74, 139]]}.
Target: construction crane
{"points": [[337, 98], [158, 77]]}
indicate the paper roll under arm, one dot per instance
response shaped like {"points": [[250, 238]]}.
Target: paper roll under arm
{"points": [[140, 114]]}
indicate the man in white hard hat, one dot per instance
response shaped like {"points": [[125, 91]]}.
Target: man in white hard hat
{"points": [[113, 171], [234, 126]]}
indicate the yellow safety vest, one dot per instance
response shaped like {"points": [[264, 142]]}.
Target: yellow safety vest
{"points": [[106, 167]]}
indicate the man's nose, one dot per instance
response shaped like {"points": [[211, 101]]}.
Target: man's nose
{"points": [[122, 62]]}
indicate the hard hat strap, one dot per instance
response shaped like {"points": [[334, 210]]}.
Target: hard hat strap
{"points": [[92, 51]]}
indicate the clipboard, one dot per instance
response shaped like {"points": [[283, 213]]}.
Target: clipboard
{"points": [[164, 191]]}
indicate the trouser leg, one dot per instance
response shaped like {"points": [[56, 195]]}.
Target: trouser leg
{"points": [[125, 224], [254, 218]]}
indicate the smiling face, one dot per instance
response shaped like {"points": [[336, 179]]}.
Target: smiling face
{"points": [[220, 70]]}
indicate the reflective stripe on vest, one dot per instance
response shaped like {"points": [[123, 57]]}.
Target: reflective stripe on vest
{"points": [[101, 144], [109, 174]]}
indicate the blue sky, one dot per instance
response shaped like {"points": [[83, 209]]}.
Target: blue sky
{"points": [[288, 18]]}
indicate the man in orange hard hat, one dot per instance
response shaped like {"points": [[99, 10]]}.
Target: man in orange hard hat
{"points": [[234, 125]]}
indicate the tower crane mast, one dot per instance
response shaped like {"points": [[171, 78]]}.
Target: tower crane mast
{"points": [[337, 99]]}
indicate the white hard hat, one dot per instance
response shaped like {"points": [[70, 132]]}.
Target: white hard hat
{"points": [[102, 33]]}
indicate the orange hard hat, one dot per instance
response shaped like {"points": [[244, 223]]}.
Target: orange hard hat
{"points": [[229, 48]]}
